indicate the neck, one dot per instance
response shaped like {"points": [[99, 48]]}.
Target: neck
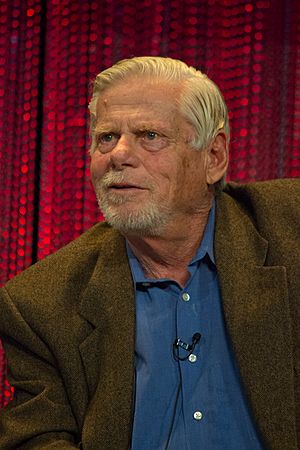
{"points": [[168, 255]]}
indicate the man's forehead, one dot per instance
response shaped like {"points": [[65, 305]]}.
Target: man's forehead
{"points": [[140, 90], [135, 104], [144, 117], [112, 102], [140, 103]]}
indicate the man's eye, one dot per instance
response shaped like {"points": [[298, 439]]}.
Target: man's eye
{"points": [[106, 137], [151, 135], [152, 140]]}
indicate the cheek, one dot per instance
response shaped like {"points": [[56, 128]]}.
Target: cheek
{"points": [[168, 174], [190, 177], [162, 179], [98, 166]]}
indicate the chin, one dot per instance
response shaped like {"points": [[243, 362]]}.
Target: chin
{"points": [[143, 221]]}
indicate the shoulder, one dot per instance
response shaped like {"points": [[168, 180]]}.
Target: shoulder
{"points": [[288, 188], [266, 200], [65, 273], [272, 208]]}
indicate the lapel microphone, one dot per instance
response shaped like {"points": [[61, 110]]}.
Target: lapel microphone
{"points": [[178, 343]]}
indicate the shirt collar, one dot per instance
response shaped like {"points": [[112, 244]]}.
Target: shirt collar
{"points": [[207, 244], [206, 247]]}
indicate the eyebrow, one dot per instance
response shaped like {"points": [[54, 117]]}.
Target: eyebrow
{"points": [[104, 129], [97, 134], [143, 126]]}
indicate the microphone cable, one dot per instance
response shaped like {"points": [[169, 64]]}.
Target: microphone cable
{"points": [[178, 343], [190, 348]]}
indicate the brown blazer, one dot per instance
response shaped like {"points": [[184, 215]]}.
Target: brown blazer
{"points": [[68, 328]]}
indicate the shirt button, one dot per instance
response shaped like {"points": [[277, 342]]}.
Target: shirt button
{"points": [[185, 297], [197, 415], [192, 358]]}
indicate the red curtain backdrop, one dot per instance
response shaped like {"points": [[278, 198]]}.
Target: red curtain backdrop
{"points": [[51, 50]]}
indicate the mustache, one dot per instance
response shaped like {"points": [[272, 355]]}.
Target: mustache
{"points": [[111, 178]]}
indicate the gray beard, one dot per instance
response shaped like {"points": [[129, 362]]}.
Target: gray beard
{"points": [[146, 221]]}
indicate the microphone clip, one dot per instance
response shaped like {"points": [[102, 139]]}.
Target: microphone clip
{"points": [[178, 343]]}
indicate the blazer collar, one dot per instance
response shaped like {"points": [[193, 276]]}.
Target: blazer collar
{"points": [[255, 302], [111, 283]]}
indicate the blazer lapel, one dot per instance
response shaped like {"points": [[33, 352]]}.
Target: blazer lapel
{"points": [[255, 302], [108, 351]]}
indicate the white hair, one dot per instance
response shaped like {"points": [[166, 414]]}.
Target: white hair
{"points": [[201, 102]]}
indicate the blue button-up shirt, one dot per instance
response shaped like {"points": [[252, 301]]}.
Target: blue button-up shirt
{"points": [[197, 403]]}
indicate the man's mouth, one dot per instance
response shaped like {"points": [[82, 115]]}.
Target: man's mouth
{"points": [[124, 186]]}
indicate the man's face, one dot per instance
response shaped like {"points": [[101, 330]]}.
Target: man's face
{"points": [[145, 175]]}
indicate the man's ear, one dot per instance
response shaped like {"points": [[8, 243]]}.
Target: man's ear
{"points": [[217, 158]]}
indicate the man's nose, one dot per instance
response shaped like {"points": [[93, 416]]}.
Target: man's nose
{"points": [[124, 152]]}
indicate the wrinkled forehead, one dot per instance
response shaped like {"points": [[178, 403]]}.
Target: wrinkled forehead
{"points": [[140, 102], [141, 89]]}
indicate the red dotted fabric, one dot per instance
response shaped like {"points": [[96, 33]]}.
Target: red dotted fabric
{"points": [[51, 51]]}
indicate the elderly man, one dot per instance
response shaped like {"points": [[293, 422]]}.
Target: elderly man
{"points": [[172, 325]]}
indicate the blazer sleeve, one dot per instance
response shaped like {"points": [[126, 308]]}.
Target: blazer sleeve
{"points": [[40, 416]]}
